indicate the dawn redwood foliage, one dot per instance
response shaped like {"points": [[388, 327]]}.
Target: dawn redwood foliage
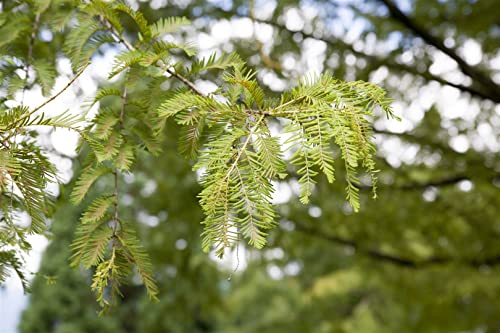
{"points": [[226, 133]]}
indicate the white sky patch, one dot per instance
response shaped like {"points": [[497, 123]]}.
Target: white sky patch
{"points": [[396, 126], [488, 137], [149, 188], [389, 44], [495, 61], [276, 253], [428, 95], [275, 272], [315, 211], [346, 18], [205, 86], [148, 219], [460, 143], [64, 168], [221, 31], [100, 67], [442, 64], [264, 9], [282, 194], [293, 19], [465, 186], [496, 78], [12, 298], [272, 80], [407, 57], [293, 268], [313, 55], [242, 28], [430, 194], [308, 11], [457, 77], [415, 113], [156, 4], [289, 61], [370, 43], [379, 75], [452, 106], [471, 51], [354, 30], [12, 302], [206, 42], [264, 33], [181, 244], [397, 151], [65, 141]]}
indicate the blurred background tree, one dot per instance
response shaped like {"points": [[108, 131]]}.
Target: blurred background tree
{"points": [[424, 257]]}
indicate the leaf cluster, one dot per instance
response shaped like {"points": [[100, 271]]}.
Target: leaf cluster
{"points": [[227, 134]]}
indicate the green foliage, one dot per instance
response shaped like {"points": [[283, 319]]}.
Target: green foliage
{"points": [[97, 209], [436, 215], [10, 260], [214, 62], [85, 181], [24, 176], [45, 74], [167, 25], [226, 132]]}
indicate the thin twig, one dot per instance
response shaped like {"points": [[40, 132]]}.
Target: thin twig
{"points": [[115, 195], [163, 66], [116, 171], [30, 54], [183, 80], [26, 115], [124, 102], [296, 100]]}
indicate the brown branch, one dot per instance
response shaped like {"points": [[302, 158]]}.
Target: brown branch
{"points": [[382, 61], [80, 72], [131, 47], [422, 185], [394, 259], [434, 183], [116, 218], [28, 114], [486, 82], [183, 80], [30, 54]]}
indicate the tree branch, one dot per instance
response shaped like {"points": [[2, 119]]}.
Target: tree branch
{"points": [[486, 82], [80, 72], [28, 114], [30, 54], [435, 183], [422, 185], [382, 61], [375, 254], [130, 47]]}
